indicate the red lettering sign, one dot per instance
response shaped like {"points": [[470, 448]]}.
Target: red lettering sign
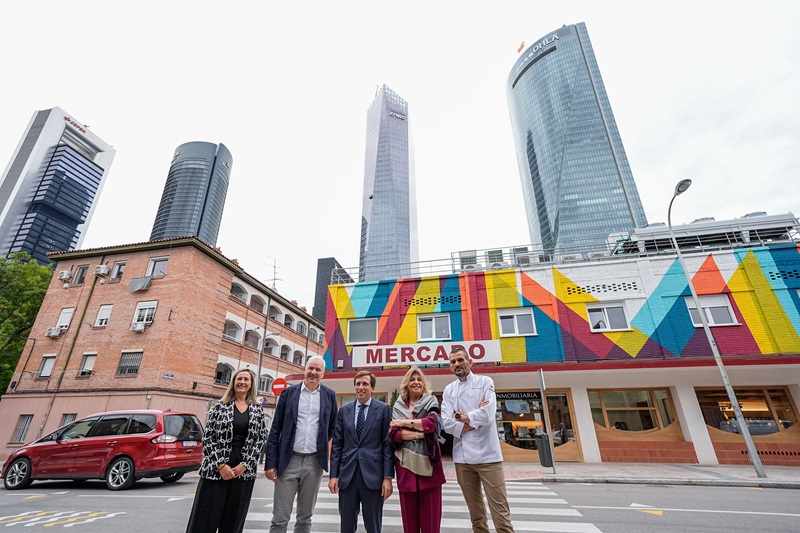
{"points": [[441, 354], [476, 351], [422, 353], [407, 355], [391, 355], [374, 356]]}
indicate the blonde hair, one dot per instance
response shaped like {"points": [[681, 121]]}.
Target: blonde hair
{"points": [[426, 385], [230, 393]]}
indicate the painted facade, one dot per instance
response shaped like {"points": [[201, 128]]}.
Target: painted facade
{"points": [[657, 346]]}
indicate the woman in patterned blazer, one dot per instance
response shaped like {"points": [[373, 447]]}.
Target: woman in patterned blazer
{"points": [[236, 430]]}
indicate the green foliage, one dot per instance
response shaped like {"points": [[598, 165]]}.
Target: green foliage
{"points": [[395, 396], [23, 284]]}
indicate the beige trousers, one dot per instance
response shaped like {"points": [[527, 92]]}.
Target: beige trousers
{"points": [[490, 475]]}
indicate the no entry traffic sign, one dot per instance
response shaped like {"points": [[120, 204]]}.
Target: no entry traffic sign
{"points": [[278, 385]]}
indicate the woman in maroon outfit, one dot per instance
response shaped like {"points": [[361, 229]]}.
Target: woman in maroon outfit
{"points": [[414, 433]]}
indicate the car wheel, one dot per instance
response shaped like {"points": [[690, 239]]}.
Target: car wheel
{"points": [[172, 478], [18, 475], [120, 474]]}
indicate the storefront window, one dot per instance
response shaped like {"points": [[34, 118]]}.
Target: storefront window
{"points": [[520, 418], [766, 411], [631, 410]]}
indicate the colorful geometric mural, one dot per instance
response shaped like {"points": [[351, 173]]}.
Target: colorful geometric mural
{"points": [[762, 286]]}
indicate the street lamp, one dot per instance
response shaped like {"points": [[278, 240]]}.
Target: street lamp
{"points": [[261, 355], [680, 188]]}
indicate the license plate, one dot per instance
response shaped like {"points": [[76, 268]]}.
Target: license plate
{"points": [[190, 443]]}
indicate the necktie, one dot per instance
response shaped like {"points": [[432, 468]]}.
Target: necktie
{"points": [[360, 420]]}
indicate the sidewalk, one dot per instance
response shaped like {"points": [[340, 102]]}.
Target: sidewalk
{"points": [[650, 473]]}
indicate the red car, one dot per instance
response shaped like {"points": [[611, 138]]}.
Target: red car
{"points": [[118, 446]]}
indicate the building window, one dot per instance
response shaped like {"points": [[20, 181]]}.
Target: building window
{"points": [[516, 322], [129, 363], [251, 339], [631, 410], [157, 266], [607, 317], [433, 328], [717, 309], [65, 318], [265, 383], [312, 334], [80, 275], [285, 352], [46, 366], [68, 418], [145, 312], [231, 330], [21, 431], [765, 410], [257, 304], [298, 358], [87, 364], [103, 315], [301, 328], [322, 338], [223, 374], [362, 330], [118, 269], [238, 292]]}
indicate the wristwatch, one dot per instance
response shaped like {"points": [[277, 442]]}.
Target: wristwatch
{"points": [[458, 416], [412, 424]]}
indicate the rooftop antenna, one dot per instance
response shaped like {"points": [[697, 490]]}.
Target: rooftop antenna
{"points": [[274, 273]]}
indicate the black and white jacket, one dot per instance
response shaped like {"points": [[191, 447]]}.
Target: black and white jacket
{"points": [[218, 439]]}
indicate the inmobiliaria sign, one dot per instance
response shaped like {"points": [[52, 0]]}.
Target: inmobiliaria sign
{"points": [[430, 353]]}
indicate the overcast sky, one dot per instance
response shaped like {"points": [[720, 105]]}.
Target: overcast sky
{"points": [[707, 90]]}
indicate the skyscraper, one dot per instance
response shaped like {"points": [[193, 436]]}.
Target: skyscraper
{"points": [[325, 276], [576, 181], [389, 211], [48, 191], [194, 195]]}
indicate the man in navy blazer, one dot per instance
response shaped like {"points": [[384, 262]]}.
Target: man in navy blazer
{"points": [[362, 458], [297, 447]]}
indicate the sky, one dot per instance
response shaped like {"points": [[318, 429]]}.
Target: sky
{"points": [[707, 90]]}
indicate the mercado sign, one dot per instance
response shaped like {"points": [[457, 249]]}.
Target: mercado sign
{"points": [[429, 353]]}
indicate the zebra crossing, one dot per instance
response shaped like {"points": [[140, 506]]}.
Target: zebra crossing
{"points": [[534, 507]]}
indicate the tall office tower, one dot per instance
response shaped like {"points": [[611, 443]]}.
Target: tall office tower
{"points": [[329, 272], [48, 191], [576, 181], [389, 210], [194, 195]]}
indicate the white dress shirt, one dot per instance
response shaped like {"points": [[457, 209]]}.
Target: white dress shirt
{"points": [[305, 436], [480, 445]]}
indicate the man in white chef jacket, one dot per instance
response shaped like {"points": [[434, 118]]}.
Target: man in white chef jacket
{"points": [[468, 413]]}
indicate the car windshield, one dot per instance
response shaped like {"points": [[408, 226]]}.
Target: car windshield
{"points": [[183, 427], [78, 430]]}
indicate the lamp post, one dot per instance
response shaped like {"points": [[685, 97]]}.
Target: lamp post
{"points": [[261, 355], [680, 188]]}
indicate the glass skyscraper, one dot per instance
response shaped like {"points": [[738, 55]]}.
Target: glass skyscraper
{"points": [[577, 185], [194, 194], [49, 189], [389, 211]]}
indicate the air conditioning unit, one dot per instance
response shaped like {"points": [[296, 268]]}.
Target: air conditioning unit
{"points": [[500, 266], [65, 275], [138, 327], [53, 333], [597, 255], [101, 270], [571, 257], [472, 267]]}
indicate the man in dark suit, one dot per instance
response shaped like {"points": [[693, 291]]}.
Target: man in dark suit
{"points": [[362, 459], [297, 447]]}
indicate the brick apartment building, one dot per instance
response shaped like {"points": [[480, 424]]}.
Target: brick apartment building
{"points": [[151, 325]]}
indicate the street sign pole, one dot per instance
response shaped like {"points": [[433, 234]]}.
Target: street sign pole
{"points": [[546, 410]]}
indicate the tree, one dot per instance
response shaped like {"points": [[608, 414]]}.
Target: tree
{"points": [[23, 284]]}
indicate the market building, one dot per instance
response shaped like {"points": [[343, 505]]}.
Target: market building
{"points": [[628, 370]]}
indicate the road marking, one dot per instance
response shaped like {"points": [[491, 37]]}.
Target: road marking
{"points": [[33, 497], [717, 511], [651, 511], [456, 523]]}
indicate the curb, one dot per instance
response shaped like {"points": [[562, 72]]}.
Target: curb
{"points": [[695, 482]]}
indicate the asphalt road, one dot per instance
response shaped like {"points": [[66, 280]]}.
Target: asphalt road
{"points": [[561, 507]]}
